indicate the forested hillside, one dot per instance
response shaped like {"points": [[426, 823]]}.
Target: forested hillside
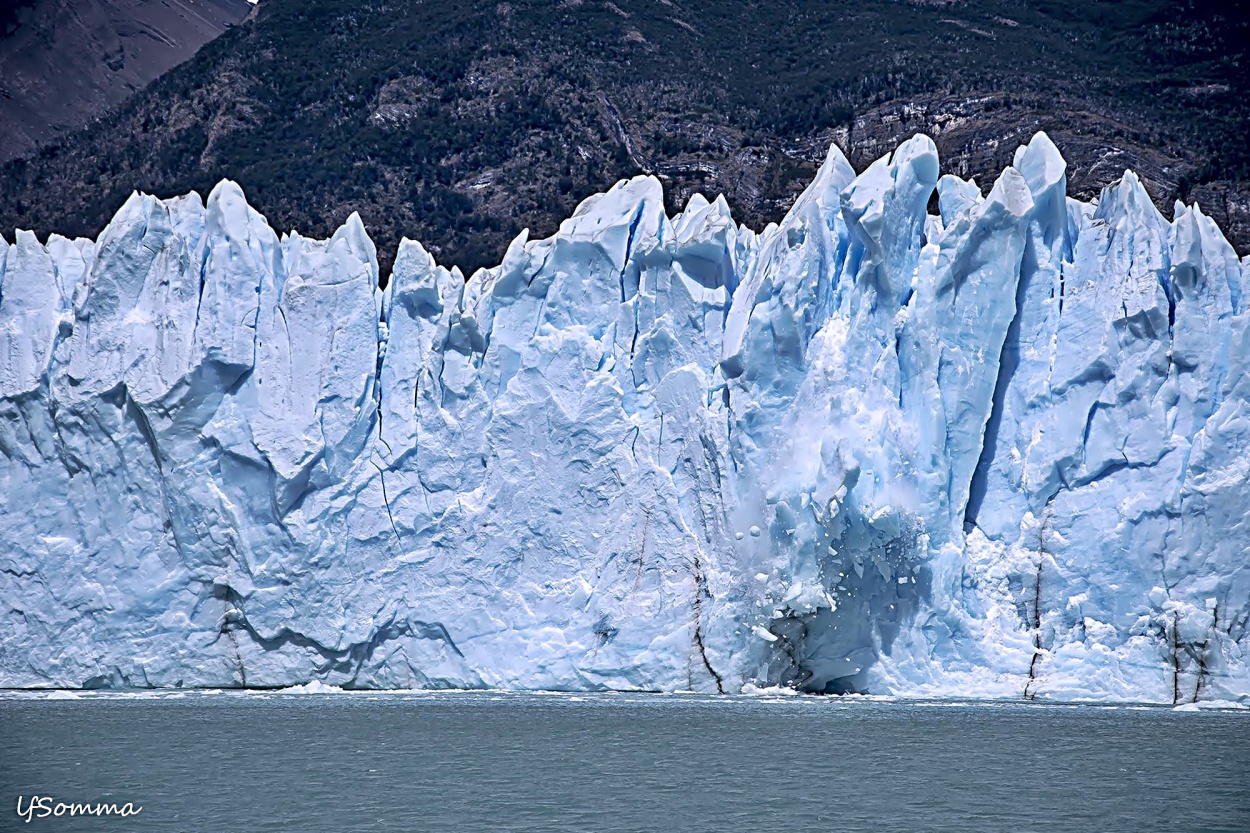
{"points": [[461, 123]]}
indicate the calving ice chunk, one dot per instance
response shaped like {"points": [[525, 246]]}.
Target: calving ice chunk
{"points": [[1000, 451]]}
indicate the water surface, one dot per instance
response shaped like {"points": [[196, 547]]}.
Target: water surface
{"points": [[469, 762]]}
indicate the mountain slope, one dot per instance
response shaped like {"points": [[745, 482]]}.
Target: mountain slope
{"points": [[63, 62], [462, 123]]}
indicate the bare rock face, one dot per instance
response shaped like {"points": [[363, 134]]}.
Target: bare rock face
{"points": [[64, 62], [461, 124]]}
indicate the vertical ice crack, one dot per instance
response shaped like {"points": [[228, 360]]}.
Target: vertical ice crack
{"points": [[1008, 363], [1176, 659], [1036, 623], [144, 426], [625, 261], [629, 246], [386, 500], [700, 588], [1205, 650]]}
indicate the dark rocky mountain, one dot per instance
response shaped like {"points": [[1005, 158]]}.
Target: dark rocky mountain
{"points": [[460, 123], [63, 62]]}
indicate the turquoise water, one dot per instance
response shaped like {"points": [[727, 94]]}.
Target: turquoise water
{"points": [[467, 762]]}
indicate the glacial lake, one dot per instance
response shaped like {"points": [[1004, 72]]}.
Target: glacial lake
{"points": [[514, 763]]}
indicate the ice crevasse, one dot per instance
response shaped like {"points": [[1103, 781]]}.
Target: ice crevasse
{"points": [[1002, 451]]}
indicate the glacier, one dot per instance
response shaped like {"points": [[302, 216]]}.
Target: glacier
{"points": [[998, 451]]}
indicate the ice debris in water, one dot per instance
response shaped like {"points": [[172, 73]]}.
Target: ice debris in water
{"points": [[999, 451]]}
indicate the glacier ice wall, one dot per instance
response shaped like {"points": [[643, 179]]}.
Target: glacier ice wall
{"points": [[1000, 451]]}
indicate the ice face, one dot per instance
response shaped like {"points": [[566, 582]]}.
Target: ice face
{"points": [[1001, 451]]}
